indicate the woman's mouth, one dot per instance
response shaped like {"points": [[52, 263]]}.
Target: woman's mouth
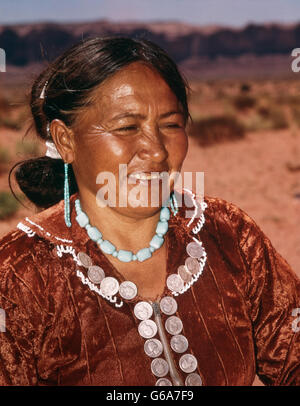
{"points": [[145, 177]]}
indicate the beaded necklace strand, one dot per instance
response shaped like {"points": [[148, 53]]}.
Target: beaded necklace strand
{"points": [[123, 255]]}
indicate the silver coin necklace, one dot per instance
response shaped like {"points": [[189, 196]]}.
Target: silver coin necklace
{"points": [[162, 337]]}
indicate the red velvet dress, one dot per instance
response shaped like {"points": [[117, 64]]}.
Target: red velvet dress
{"points": [[238, 316]]}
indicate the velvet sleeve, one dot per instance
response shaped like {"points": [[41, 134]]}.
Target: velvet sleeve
{"points": [[272, 291], [26, 320], [17, 362]]}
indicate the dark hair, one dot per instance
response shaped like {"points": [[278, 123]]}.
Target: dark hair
{"points": [[67, 84]]}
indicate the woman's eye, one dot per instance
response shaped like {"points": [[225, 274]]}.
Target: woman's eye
{"points": [[172, 125], [128, 128]]}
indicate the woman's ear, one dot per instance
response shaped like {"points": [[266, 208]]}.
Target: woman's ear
{"points": [[63, 138]]}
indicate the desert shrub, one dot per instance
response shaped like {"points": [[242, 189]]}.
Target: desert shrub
{"points": [[245, 87], [4, 159], [28, 148], [4, 156], [13, 123], [4, 104], [5, 109], [266, 118], [216, 129], [14, 120], [296, 115], [278, 119], [244, 101], [292, 100], [255, 122], [263, 111], [8, 205]]}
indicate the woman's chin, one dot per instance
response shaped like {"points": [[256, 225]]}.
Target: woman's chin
{"points": [[147, 196], [141, 199]]}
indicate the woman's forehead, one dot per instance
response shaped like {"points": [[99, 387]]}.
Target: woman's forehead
{"points": [[136, 78], [127, 91]]}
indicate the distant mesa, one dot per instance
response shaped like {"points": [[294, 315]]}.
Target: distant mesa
{"points": [[252, 48]]}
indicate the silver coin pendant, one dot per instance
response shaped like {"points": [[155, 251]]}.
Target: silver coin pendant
{"points": [[143, 310], [95, 274], [173, 325], [128, 290], [188, 363], [175, 283], [159, 367], [168, 305], [194, 250], [193, 379], [109, 286], [147, 328], [84, 259], [153, 348]]}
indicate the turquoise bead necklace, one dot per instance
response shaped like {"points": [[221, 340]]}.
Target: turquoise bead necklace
{"points": [[123, 255]]}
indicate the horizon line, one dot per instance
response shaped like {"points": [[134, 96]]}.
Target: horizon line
{"points": [[150, 21]]}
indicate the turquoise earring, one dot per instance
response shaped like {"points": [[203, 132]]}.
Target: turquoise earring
{"points": [[67, 197], [174, 204]]}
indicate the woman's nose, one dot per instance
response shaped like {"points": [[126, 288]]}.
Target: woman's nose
{"points": [[152, 148]]}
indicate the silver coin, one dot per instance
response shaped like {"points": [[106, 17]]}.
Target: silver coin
{"points": [[95, 274], [179, 343], [194, 250], [184, 274], [128, 290], [175, 283], [192, 265], [109, 286], [188, 363], [84, 259], [168, 305], [153, 348], [193, 380], [159, 367], [173, 325], [163, 382], [147, 328], [143, 310]]}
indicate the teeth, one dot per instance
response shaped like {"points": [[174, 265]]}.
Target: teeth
{"points": [[143, 176]]}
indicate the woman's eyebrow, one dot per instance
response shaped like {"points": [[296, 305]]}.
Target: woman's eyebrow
{"points": [[141, 116]]}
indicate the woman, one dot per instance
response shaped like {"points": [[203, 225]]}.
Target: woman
{"points": [[127, 294]]}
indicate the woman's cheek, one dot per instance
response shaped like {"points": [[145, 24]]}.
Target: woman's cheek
{"points": [[119, 149], [107, 156], [177, 147]]}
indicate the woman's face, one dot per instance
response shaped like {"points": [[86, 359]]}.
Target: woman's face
{"points": [[135, 120]]}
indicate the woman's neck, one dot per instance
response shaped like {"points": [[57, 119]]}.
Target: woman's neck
{"points": [[126, 228]]}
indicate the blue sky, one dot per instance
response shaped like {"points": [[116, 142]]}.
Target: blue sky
{"points": [[202, 12]]}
